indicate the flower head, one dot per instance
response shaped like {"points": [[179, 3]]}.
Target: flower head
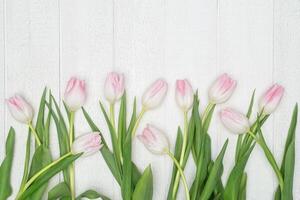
{"points": [[20, 109], [155, 94], [222, 89], [114, 87], [75, 94], [271, 99], [87, 144], [184, 94], [154, 140], [234, 121]]}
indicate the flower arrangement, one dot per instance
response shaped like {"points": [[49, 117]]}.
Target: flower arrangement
{"points": [[193, 140]]}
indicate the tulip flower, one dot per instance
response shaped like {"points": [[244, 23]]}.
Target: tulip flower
{"points": [[184, 94], [235, 121], [114, 87], [87, 144], [222, 89], [75, 94], [271, 99], [155, 94], [154, 140], [20, 109]]}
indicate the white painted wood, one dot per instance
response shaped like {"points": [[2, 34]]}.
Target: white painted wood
{"points": [[2, 85], [257, 42], [245, 49], [32, 57], [287, 72], [86, 51]]}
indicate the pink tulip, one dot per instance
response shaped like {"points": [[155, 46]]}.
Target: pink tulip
{"points": [[184, 94], [154, 140], [87, 144], [271, 99], [114, 87], [155, 94], [222, 89], [75, 94], [20, 109], [234, 121]]}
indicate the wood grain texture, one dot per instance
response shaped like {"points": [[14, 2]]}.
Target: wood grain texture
{"points": [[257, 42]]}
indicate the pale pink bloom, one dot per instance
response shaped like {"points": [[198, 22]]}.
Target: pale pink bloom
{"points": [[87, 144], [20, 109], [271, 99], [155, 94], [234, 121], [114, 87], [154, 140], [184, 94], [75, 94], [222, 89]]}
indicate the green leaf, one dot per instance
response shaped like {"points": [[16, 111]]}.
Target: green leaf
{"points": [[26, 162], [122, 124], [127, 170], [250, 107], [288, 162], [291, 136], [136, 175], [214, 175], [289, 166], [40, 116], [144, 188], [178, 147], [40, 159], [59, 191], [231, 190], [106, 153], [243, 188], [48, 174], [5, 168], [91, 194], [62, 133], [111, 163], [114, 139]]}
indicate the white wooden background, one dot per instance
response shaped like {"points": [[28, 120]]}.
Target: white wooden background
{"points": [[44, 42]]}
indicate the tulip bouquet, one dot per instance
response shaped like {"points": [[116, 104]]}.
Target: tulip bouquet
{"points": [[192, 141]]}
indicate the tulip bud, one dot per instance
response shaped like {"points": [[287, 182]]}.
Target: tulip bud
{"points": [[222, 89], [271, 99], [235, 121], [114, 87], [75, 94], [184, 94], [154, 140], [87, 144], [155, 94], [20, 109]]}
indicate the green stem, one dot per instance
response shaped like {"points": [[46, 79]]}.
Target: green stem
{"points": [[32, 179], [138, 120], [112, 114], [71, 169], [207, 110], [187, 194], [270, 158], [37, 139], [185, 132]]}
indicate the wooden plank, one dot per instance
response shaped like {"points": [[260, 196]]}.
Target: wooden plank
{"points": [[87, 52], [245, 45], [190, 52], [32, 57], [287, 73], [2, 80]]}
